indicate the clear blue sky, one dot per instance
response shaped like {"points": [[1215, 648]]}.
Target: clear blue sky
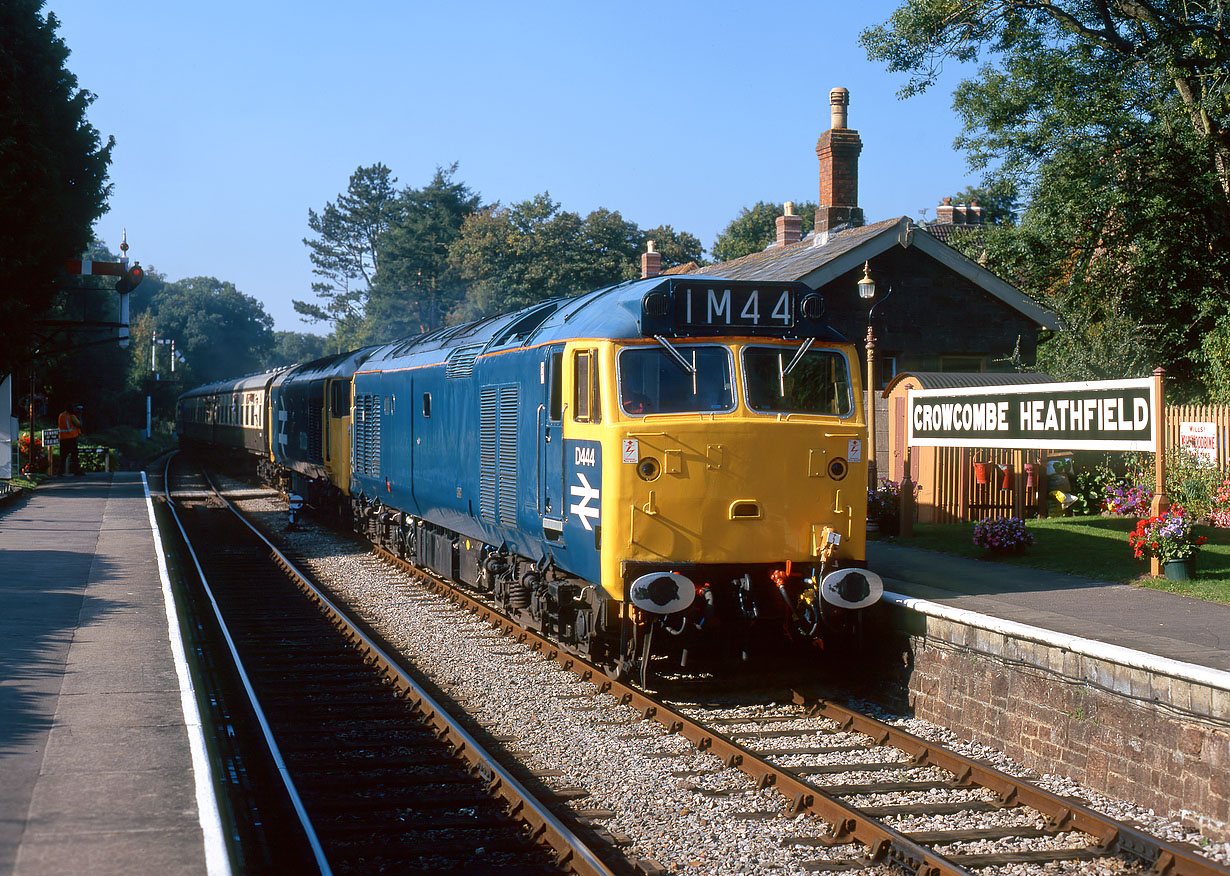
{"points": [[232, 119]]}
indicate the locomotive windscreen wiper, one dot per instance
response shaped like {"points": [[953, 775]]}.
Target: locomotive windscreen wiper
{"points": [[782, 372], [688, 367]]}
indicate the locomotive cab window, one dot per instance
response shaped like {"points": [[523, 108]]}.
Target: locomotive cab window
{"points": [[586, 399], [339, 398], [555, 382], [779, 380], [662, 380]]}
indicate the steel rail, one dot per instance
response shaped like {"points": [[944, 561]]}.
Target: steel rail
{"points": [[570, 851], [849, 824], [1063, 814], [275, 751]]}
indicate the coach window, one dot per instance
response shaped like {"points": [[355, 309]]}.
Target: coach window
{"points": [[586, 401]]}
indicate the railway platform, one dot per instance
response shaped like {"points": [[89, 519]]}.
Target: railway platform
{"points": [[101, 753], [1153, 622]]}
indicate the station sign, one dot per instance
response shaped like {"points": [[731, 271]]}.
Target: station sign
{"points": [[1087, 415]]}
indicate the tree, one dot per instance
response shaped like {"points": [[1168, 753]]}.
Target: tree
{"points": [[514, 256], [417, 285], [676, 247], [1151, 57], [290, 348], [346, 249], [755, 228], [53, 170], [219, 332], [1108, 117]]}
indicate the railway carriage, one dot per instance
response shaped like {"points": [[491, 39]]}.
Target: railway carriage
{"points": [[662, 470], [231, 414]]}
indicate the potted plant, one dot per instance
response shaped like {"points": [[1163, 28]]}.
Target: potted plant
{"points": [[1002, 535], [1169, 537]]}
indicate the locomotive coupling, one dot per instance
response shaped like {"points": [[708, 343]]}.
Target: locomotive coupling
{"points": [[662, 592]]}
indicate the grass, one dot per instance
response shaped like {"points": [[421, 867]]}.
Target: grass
{"points": [[1093, 547]]}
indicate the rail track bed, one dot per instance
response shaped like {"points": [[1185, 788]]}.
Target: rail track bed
{"points": [[371, 774], [767, 781]]}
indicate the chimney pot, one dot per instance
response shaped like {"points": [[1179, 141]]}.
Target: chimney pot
{"points": [[839, 99]]}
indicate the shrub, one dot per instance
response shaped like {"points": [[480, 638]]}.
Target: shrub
{"points": [[1191, 481], [1002, 535]]}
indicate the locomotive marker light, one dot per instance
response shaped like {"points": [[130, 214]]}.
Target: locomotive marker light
{"points": [[662, 592]]}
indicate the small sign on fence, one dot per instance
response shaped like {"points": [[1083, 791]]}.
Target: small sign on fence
{"points": [[1200, 439], [51, 438]]}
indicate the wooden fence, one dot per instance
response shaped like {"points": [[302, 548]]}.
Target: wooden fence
{"points": [[1219, 415], [952, 486]]}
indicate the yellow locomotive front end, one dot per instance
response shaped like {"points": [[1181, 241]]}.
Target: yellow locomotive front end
{"points": [[735, 518]]}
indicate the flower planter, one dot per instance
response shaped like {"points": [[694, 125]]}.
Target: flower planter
{"points": [[981, 475], [1179, 570], [1005, 477]]}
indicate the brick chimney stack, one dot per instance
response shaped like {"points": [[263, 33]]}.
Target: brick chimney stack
{"points": [[974, 213], [838, 149], [651, 262], [789, 226], [944, 212]]}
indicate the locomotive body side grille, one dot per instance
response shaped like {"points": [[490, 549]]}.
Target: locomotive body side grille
{"points": [[488, 433], [508, 454]]}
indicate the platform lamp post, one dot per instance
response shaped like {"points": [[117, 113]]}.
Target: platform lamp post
{"points": [[867, 292]]}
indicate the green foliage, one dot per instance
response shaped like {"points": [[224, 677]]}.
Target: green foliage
{"points": [[530, 251], [219, 332], [53, 171], [1191, 481], [1111, 118], [345, 251], [289, 348], [417, 287], [999, 200], [676, 247], [755, 228]]}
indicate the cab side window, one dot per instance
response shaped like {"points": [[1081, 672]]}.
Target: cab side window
{"points": [[586, 402]]}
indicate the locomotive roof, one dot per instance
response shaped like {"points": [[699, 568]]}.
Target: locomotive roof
{"points": [[613, 312], [337, 365]]}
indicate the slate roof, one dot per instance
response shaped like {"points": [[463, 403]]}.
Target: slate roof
{"points": [[818, 260]]}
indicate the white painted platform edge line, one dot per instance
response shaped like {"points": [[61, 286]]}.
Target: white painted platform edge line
{"points": [[1117, 654], [217, 861]]}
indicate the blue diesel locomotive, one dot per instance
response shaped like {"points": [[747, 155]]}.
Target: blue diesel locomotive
{"points": [[664, 471]]}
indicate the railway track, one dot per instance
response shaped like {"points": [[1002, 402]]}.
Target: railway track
{"points": [[375, 775], [890, 798]]}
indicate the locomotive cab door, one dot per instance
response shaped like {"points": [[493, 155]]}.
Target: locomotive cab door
{"points": [[551, 444]]}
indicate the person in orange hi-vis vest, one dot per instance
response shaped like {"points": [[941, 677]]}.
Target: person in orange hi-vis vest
{"points": [[70, 431]]}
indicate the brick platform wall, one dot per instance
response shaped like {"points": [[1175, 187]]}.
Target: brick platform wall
{"points": [[1154, 740]]}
